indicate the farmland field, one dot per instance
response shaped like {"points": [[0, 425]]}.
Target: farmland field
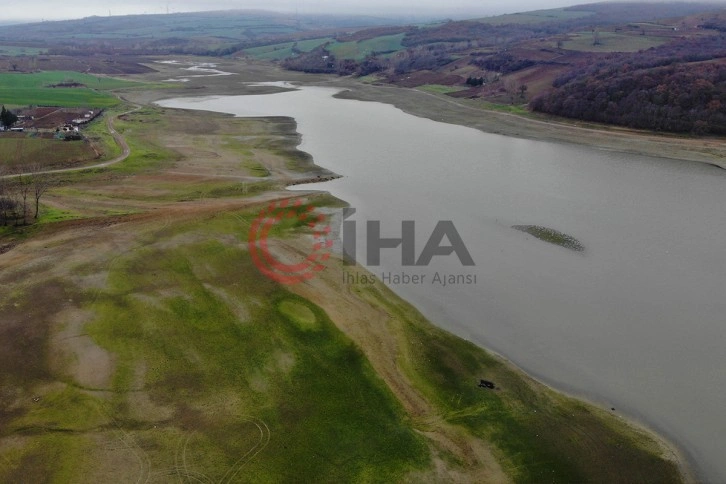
{"points": [[20, 89], [285, 49], [22, 150]]}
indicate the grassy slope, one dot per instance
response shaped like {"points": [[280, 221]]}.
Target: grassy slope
{"points": [[306, 385], [284, 50], [359, 50], [542, 436], [216, 350]]}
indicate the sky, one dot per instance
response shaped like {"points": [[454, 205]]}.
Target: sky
{"points": [[38, 10]]}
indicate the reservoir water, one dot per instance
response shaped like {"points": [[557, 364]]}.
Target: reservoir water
{"points": [[636, 321]]}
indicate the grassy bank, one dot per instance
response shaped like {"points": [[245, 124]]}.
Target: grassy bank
{"points": [[539, 435]]}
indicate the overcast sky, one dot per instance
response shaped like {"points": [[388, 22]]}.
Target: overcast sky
{"points": [[37, 10]]}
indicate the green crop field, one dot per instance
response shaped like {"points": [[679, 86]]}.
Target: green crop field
{"points": [[20, 89], [359, 50]]}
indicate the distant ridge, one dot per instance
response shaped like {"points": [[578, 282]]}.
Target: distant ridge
{"points": [[227, 24]]}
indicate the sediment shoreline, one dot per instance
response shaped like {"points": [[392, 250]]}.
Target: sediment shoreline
{"points": [[709, 151]]}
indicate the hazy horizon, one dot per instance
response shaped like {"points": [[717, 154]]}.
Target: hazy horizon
{"points": [[47, 10]]}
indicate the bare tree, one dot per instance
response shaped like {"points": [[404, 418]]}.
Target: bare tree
{"points": [[12, 199], [5, 197], [41, 183], [522, 89], [22, 190], [510, 86]]}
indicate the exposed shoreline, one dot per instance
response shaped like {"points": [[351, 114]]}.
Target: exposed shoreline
{"points": [[671, 450], [439, 107], [709, 151]]}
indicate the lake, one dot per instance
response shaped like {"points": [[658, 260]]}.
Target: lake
{"points": [[635, 321]]}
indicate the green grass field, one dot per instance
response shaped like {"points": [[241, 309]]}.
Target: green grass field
{"points": [[359, 50], [20, 89], [226, 361], [612, 42], [285, 49], [439, 89], [271, 52]]}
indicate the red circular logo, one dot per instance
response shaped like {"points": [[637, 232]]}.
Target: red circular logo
{"points": [[279, 271]]}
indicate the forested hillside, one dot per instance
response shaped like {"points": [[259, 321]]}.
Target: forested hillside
{"points": [[679, 87]]}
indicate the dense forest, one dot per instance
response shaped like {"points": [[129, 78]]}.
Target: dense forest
{"points": [[679, 87]]}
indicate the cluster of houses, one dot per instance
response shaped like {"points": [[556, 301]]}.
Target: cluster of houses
{"points": [[54, 120]]}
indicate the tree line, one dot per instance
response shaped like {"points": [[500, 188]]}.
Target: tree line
{"points": [[20, 194], [502, 62]]}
